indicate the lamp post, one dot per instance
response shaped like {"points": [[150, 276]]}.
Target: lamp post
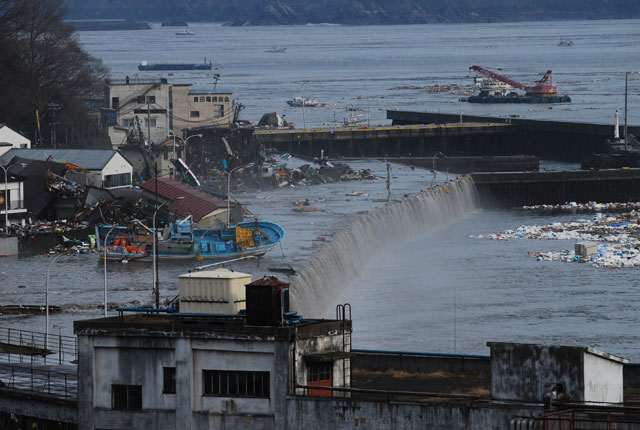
{"points": [[6, 202], [185, 146], [155, 253], [46, 301], [304, 115], [229, 190], [106, 240]]}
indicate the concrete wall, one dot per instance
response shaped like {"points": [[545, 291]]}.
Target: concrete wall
{"points": [[39, 406], [8, 245], [334, 414], [528, 372], [420, 363], [602, 379]]}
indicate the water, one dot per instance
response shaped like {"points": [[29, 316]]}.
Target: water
{"points": [[358, 65], [402, 291]]}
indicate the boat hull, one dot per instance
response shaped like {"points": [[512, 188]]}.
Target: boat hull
{"points": [[244, 239]]}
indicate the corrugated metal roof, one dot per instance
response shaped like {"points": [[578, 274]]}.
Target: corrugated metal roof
{"points": [[91, 159], [195, 203]]}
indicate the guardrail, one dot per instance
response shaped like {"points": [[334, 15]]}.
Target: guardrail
{"points": [[42, 381], [21, 346]]}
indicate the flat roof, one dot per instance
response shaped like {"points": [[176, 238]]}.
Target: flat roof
{"points": [[215, 274], [588, 349]]}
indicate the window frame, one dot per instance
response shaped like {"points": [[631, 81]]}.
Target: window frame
{"points": [[132, 393], [236, 383], [168, 380]]}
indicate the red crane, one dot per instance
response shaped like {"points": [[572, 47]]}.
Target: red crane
{"points": [[543, 87]]}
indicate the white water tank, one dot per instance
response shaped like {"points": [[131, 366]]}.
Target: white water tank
{"points": [[219, 291]]}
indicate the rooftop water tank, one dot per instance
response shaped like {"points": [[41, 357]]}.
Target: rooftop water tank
{"points": [[219, 291]]}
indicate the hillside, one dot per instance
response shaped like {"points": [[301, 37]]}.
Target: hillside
{"points": [[357, 12]]}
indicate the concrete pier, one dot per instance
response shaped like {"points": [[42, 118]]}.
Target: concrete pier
{"points": [[406, 140], [549, 140], [520, 189]]}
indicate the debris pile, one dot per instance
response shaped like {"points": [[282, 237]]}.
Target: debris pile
{"points": [[586, 207], [618, 237]]}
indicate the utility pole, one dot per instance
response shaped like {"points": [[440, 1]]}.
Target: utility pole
{"points": [[626, 92], [54, 107], [149, 123]]}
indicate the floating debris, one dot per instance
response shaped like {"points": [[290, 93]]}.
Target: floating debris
{"points": [[586, 207], [618, 237]]}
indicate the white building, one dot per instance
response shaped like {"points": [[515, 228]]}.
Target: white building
{"points": [[106, 168], [11, 139]]}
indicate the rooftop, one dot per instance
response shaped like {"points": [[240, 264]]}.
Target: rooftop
{"points": [[92, 159], [196, 203], [216, 274], [205, 91]]}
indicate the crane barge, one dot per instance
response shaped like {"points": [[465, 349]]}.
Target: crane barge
{"points": [[496, 88]]}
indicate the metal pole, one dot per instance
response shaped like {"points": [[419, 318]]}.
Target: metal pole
{"points": [[229, 189], [46, 299], [185, 147], [106, 240], [6, 203], [304, 115], [626, 92], [156, 284], [148, 122]]}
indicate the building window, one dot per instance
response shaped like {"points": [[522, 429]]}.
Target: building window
{"points": [[215, 99], [208, 98], [144, 100], [218, 111], [126, 396], [151, 99], [129, 122], [150, 121], [202, 99], [169, 380], [195, 114], [195, 99], [235, 383], [319, 372], [165, 155], [118, 180], [115, 103], [140, 100], [226, 99]]}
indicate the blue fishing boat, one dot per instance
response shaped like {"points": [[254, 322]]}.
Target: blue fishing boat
{"points": [[180, 240]]}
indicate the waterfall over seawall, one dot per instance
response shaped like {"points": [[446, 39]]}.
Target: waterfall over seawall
{"points": [[343, 259]]}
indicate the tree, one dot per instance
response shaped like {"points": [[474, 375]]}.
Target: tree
{"points": [[42, 62]]}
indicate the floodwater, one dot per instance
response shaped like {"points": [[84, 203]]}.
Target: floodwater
{"points": [[443, 291], [358, 66]]}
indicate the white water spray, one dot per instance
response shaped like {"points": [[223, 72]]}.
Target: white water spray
{"points": [[342, 260]]}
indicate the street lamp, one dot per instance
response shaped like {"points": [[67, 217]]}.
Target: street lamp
{"points": [[106, 240], [6, 202], [229, 189], [185, 147], [155, 252], [304, 116]]}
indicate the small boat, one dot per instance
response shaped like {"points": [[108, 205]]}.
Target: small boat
{"points": [[276, 49], [565, 43], [180, 240], [302, 102], [184, 33]]}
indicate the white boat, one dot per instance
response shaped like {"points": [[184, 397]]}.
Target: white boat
{"points": [[490, 87], [276, 49], [184, 33], [302, 102]]}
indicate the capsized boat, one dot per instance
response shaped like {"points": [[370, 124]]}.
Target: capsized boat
{"points": [[180, 240]]}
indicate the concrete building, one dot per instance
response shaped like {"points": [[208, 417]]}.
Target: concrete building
{"points": [[11, 139], [204, 371], [12, 201], [162, 108], [201, 108], [106, 168]]}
